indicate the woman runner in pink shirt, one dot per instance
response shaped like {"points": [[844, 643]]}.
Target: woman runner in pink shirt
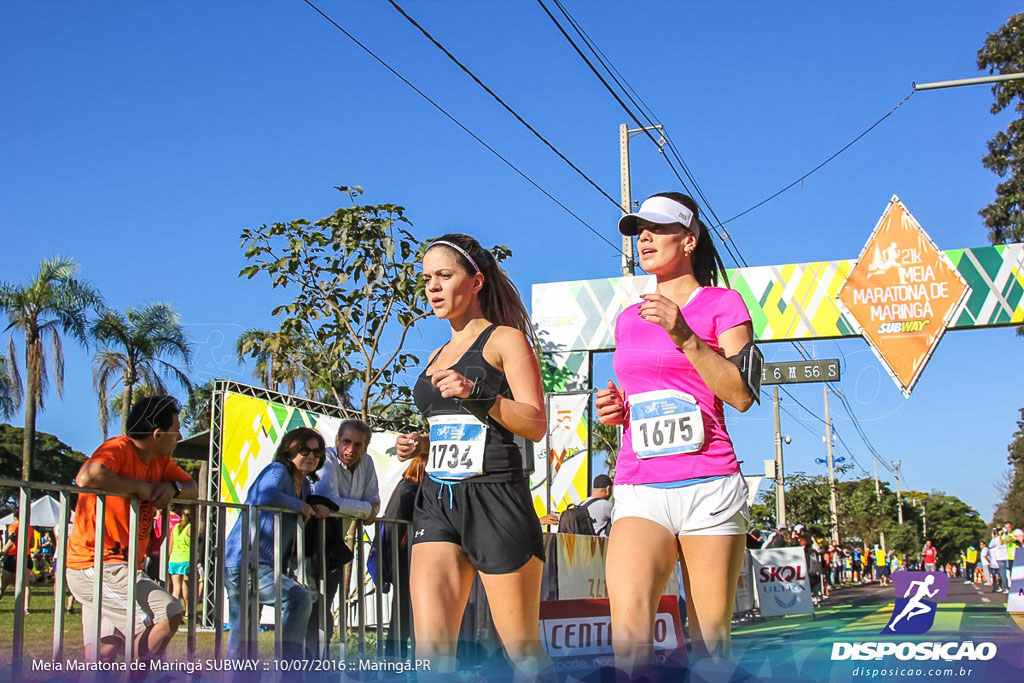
{"points": [[681, 353]]}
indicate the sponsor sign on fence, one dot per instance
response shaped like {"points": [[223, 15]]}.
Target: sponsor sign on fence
{"points": [[582, 628], [780, 575]]}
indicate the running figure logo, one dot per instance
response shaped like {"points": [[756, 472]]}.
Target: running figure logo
{"points": [[916, 596]]}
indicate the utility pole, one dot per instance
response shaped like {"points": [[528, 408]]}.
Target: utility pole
{"points": [[780, 477], [899, 492], [833, 502], [628, 257], [878, 499]]}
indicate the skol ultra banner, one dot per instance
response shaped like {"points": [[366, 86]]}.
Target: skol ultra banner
{"points": [[566, 452], [783, 587]]}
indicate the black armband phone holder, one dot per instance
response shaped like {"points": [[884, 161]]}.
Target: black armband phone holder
{"points": [[481, 399], [750, 361]]}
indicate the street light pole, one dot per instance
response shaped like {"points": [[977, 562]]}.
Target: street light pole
{"points": [[935, 85], [833, 502], [878, 499], [899, 491], [780, 477]]}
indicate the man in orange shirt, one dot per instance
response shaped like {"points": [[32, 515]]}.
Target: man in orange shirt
{"points": [[137, 465], [10, 562]]}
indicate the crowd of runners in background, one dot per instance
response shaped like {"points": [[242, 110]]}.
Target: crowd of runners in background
{"points": [[830, 565]]}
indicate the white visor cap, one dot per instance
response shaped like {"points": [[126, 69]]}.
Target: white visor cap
{"points": [[659, 210]]}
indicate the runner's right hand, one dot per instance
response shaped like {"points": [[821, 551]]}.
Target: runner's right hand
{"points": [[409, 445], [611, 410]]}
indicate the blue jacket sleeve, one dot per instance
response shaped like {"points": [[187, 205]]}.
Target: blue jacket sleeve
{"points": [[274, 488]]}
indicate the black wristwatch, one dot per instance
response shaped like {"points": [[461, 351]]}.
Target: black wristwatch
{"points": [[177, 488]]}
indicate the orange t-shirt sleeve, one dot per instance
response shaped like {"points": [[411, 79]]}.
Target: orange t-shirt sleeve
{"points": [[173, 472]]}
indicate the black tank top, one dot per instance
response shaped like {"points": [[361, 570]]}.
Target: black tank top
{"points": [[502, 459]]}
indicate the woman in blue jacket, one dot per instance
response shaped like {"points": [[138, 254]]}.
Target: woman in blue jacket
{"points": [[284, 483]]}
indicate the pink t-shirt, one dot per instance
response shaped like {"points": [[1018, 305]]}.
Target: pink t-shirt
{"points": [[646, 360]]}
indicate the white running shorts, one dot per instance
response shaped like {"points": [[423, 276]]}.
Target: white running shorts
{"points": [[712, 508]]}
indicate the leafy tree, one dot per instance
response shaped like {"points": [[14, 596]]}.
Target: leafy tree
{"points": [[952, 525], [137, 348], [904, 538], [282, 361], [195, 416], [357, 293], [806, 501], [1011, 507], [861, 515], [1003, 53], [10, 389], [54, 463], [53, 301], [606, 439]]}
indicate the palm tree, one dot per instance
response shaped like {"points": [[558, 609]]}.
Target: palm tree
{"points": [[289, 360], [53, 301], [10, 390], [276, 363], [195, 417], [136, 345]]}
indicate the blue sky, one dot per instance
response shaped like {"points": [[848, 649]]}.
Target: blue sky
{"points": [[140, 138]]}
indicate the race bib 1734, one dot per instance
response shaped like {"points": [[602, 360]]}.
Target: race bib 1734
{"points": [[456, 447]]}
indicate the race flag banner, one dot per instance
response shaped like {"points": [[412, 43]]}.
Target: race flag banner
{"points": [[753, 484], [561, 477], [782, 584]]}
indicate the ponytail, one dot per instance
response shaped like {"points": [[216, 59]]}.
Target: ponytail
{"points": [[707, 264], [499, 299]]}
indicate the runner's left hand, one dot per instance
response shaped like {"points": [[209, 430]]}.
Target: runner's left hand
{"points": [[661, 311], [451, 384]]}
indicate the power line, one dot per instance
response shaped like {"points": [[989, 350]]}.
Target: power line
{"points": [[649, 114], [737, 256], [614, 74], [460, 125], [819, 166], [628, 111], [500, 101]]}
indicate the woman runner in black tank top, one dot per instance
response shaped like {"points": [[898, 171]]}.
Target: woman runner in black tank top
{"points": [[502, 459], [473, 512]]}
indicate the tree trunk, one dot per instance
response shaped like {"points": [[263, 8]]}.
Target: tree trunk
{"points": [[33, 364], [126, 399]]}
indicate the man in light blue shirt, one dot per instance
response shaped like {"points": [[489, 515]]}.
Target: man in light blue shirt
{"points": [[349, 481], [346, 478]]}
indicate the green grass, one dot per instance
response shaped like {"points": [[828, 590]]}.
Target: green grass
{"points": [[39, 634]]}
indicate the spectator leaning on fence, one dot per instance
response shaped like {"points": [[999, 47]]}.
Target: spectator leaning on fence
{"points": [[136, 465], [349, 481], [284, 483]]}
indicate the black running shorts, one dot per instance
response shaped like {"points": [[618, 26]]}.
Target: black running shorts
{"points": [[493, 522]]}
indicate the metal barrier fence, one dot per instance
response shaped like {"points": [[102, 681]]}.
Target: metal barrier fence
{"points": [[248, 575]]}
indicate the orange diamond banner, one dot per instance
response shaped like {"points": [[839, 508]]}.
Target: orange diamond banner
{"points": [[902, 293]]}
